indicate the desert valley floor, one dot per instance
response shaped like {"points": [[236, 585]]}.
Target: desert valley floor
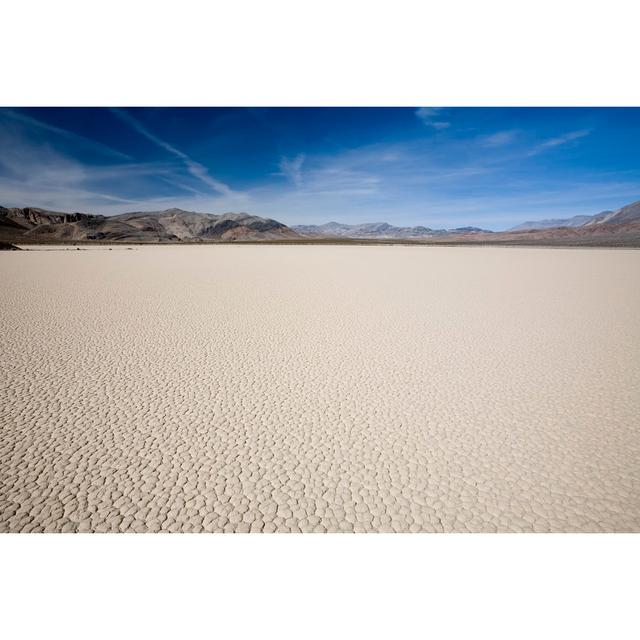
{"points": [[320, 388]]}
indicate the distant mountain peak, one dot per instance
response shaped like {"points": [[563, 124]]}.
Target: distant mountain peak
{"points": [[174, 210]]}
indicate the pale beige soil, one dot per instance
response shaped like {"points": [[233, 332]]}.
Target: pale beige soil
{"points": [[320, 388]]}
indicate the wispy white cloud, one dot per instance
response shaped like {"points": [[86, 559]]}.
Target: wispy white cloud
{"points": [[32, 123], [35, 172], [499, 139], [431, 117], [195, 168], [558, 141], [334, 181], [291, 168], [180, 184], [60, 196]]}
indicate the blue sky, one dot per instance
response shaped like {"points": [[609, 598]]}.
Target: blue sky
{"points": [[438, 167]]}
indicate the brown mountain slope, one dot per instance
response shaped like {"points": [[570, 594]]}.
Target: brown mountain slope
{"points": [[611, 234], [173, 225]]}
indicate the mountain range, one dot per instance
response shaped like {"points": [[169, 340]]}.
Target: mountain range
{"points": [[32, 225], [378, 230], [172, 225]]}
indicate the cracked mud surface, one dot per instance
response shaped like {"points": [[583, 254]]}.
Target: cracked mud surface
{"points": [[297, 388]]}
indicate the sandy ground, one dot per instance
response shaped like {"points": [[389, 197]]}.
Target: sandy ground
{"points": [[302, 388]]}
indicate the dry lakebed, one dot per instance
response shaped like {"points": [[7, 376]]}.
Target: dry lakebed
{"points": [[262, 388]]}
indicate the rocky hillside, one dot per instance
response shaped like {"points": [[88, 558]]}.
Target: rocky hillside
{"points": [[628, 213], [172, 225]]}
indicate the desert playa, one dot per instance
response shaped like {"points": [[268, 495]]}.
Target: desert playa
{"points": [[320, 389]]}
